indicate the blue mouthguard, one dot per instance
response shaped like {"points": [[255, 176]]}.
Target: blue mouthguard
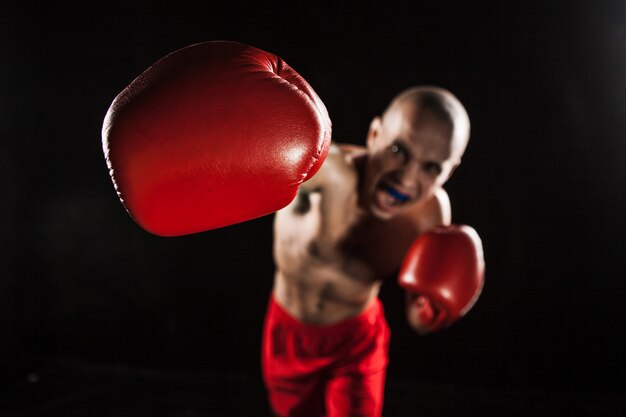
{"points": [[397, 194]]}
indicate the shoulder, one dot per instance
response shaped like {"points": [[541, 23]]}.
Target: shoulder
{"points": [[351, 150], [338, 167], [436, 211]]}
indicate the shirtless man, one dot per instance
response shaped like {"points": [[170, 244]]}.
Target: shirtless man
{"points": [[244, 120], [347, 231]]}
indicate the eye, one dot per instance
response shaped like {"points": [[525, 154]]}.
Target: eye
{"points": [[399, 151], [432, 168]]}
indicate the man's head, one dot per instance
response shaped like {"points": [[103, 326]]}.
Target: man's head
{"points": [[413, 149]]}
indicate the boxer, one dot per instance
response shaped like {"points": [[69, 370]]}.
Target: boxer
{"points": [[226, 125], [349, 230]]}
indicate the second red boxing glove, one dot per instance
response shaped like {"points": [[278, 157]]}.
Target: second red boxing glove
{"points": [[213, 134], [444, 269]]}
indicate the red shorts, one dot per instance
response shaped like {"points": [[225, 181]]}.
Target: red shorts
{"points": [[336, 370]]}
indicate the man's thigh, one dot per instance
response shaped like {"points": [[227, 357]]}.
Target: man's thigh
{"points": [[355, 395], [296, 397]]}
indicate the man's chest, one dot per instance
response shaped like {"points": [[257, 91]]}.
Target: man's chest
{"points": [[379, 245], [311, 234]]}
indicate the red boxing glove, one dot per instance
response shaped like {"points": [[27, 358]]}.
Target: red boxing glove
{"points": [[444, 268], [211, 135]]}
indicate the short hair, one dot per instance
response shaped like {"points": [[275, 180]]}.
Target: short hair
{"points": [[442, 103]]}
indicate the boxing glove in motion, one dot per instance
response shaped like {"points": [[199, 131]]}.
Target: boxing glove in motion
{"points": [[211, 135], [444, 269]]}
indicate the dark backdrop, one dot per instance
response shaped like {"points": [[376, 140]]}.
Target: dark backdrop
{"points": [[543, 182]]}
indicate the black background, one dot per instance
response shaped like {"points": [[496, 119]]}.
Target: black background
{"points": [[543, 182]]}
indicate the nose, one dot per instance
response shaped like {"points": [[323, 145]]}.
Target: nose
{"points": [[409, 175]]}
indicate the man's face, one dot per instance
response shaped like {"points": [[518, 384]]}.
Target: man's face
{"points": [[411, 155]]}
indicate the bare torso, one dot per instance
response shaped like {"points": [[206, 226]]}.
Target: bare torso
{"points": [[331, 256]]}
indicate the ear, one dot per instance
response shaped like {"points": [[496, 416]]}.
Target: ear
{"points": [[374, 131]]}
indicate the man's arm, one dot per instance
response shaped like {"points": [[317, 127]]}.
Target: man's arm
{"points": [[336, 182], [434, 212]]}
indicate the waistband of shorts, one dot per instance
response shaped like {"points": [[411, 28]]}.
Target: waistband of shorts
{"points": [[366, 318]]}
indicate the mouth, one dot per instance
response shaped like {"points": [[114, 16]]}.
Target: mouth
{"points": [[389, 198]]}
